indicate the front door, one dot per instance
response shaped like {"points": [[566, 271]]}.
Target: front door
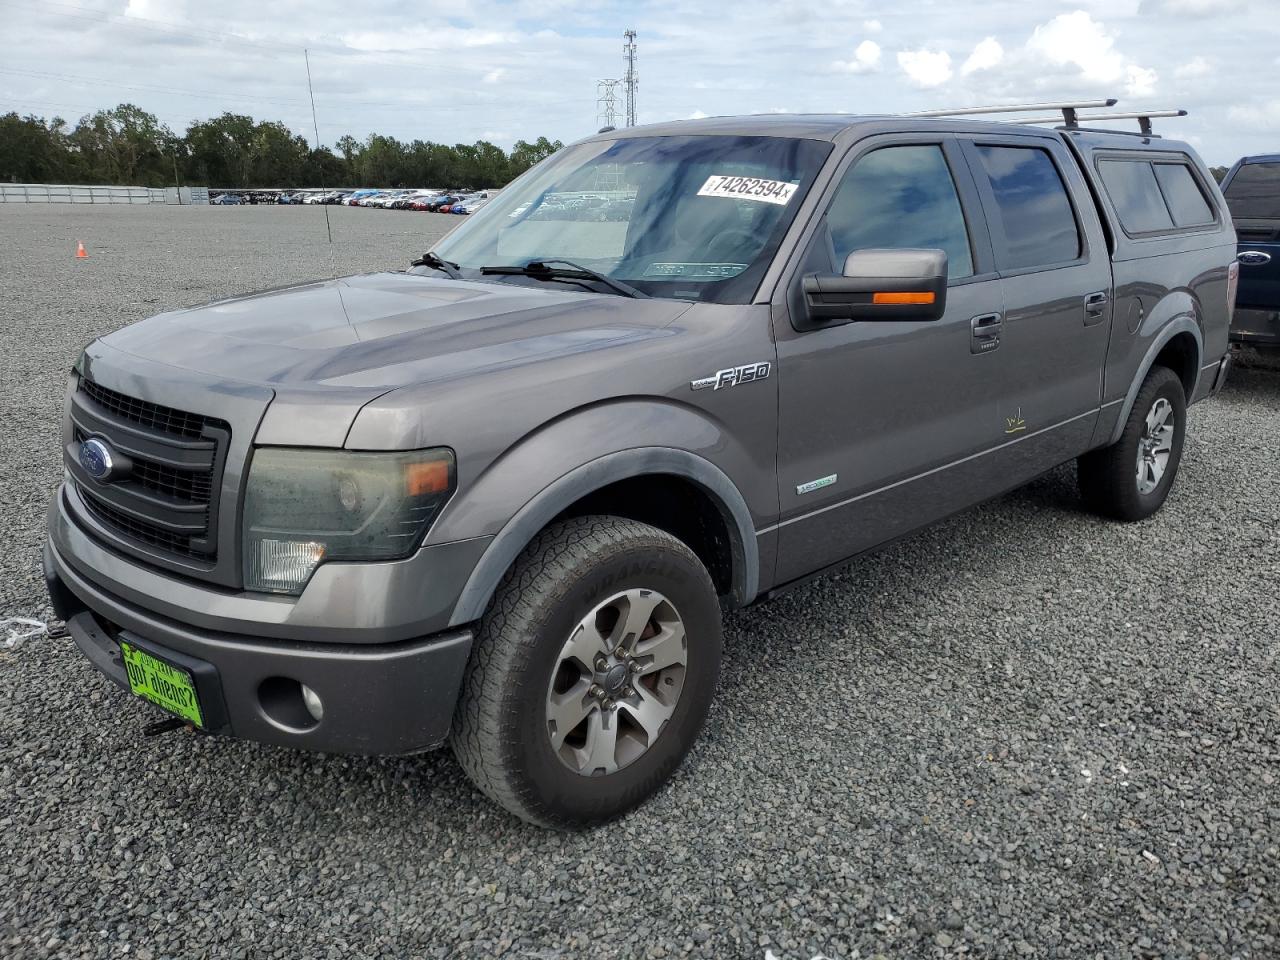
{"points": [[877, 418]]}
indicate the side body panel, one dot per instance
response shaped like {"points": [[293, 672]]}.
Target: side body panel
{"points": [[534, 439], [1165, 285]]}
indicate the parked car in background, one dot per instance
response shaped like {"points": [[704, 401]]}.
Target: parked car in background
{"points": [[225, 200], [1252, 189]]}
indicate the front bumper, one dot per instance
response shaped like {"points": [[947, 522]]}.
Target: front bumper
{"points": [[379, 697]]}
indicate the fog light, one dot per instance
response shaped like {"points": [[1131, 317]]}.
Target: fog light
{"points": [[282, 565], [312, 701]]}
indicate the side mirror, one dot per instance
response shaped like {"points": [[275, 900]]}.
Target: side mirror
{"points": [[906, 284]]}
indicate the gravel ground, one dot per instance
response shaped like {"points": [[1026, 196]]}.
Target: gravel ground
{"points": [[1023, 733]]}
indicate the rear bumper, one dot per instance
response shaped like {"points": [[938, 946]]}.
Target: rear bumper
{"points": [[393, 698], [1258, 327]]}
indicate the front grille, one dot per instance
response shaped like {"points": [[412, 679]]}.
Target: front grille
{"points": [[164, 500], [189, 486], [138, 530], [147, 414]]}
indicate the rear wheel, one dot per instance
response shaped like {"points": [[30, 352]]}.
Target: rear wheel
{"points": [[1130, 480], [592, 672]]}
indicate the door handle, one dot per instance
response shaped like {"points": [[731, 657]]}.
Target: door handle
{"points": [[1253, 258], [986, 326], [1095, 307], [984, 333]]}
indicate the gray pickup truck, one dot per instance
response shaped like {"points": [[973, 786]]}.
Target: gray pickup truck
{"points": [[501, 499]]}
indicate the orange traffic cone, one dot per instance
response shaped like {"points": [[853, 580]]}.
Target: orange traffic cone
{"points": [[80, 253]]}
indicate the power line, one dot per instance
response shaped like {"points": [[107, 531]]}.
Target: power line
{"points": [[607, 103]]}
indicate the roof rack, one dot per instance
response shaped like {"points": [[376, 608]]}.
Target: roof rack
{"points": [[1143, 117], [1069, 109]]}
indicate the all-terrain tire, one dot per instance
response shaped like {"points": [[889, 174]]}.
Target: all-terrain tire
{"points": [[1109, 479], [500, 730]]}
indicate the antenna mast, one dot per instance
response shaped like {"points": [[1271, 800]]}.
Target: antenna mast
{"points": [[631, 79]]}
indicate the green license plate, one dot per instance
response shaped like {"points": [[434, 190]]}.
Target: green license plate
{"points": [[162, 683]]}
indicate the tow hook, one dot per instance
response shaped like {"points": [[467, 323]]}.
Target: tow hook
{"points": [[164, 726]]}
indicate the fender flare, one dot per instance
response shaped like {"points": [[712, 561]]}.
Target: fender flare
{"points": [[571, 487], [1181, 324]]}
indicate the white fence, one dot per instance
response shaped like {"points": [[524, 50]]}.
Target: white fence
{"points": [[64, 193]]}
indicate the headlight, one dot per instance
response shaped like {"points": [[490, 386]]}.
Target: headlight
{"points": [[307, 506]]}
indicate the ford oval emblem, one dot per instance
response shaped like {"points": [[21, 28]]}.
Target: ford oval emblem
{"points": [[1253, 258], [96, 459]]}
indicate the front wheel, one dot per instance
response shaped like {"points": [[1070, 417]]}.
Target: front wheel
{"points": [[1130, 479], [592, 672]]}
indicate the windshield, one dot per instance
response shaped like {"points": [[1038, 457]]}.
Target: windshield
{"points": [[693, 218], [1255, 191]]}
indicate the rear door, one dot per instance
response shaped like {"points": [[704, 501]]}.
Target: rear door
{"points": [[1056, 283]]}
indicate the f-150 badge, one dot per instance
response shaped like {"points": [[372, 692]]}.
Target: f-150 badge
{"points": [[732, 376]]}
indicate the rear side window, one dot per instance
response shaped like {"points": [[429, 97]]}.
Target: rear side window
{"points": [[900, 197], [1134, 192], [1254, 192], [1154, 197], [1183, 195], [1039, 225]]}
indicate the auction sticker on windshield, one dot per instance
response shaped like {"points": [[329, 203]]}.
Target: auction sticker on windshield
{"points": [[748, 188]]}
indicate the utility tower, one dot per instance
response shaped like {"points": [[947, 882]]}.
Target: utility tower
{"points": [[607, 103], [631, 79]]}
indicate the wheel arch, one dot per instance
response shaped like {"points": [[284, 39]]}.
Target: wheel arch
{"points": [[574, 493], [1179, 345]]}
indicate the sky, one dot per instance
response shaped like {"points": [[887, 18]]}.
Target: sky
{"points": [[504, 70]]}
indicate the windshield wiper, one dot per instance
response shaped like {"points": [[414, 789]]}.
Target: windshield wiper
{"points": [[431, 260], [542, 270]]}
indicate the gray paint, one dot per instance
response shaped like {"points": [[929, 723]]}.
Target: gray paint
{"points": [[599, 473], [547, 393]]}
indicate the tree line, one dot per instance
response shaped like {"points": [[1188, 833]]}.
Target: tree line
{"points": [[129, 146]]}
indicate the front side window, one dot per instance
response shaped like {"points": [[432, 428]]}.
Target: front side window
{"points": [[1254, 192], [1035, 212], [688, 217], [900, 197]]}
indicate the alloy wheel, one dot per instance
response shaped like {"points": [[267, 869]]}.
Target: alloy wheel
{"points": [[616, 682], [1155, 445]]}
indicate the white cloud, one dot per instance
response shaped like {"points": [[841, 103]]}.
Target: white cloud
{"points": [[866, 57], [1265, 115], [1193, 8], [1193, 69], [697, 115], [1077, 40], [987, 54], [926, 68], [1139, 81], [872, 26], [493, 76]]}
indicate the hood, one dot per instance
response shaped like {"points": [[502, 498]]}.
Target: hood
{"points": [[376, 332]]}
